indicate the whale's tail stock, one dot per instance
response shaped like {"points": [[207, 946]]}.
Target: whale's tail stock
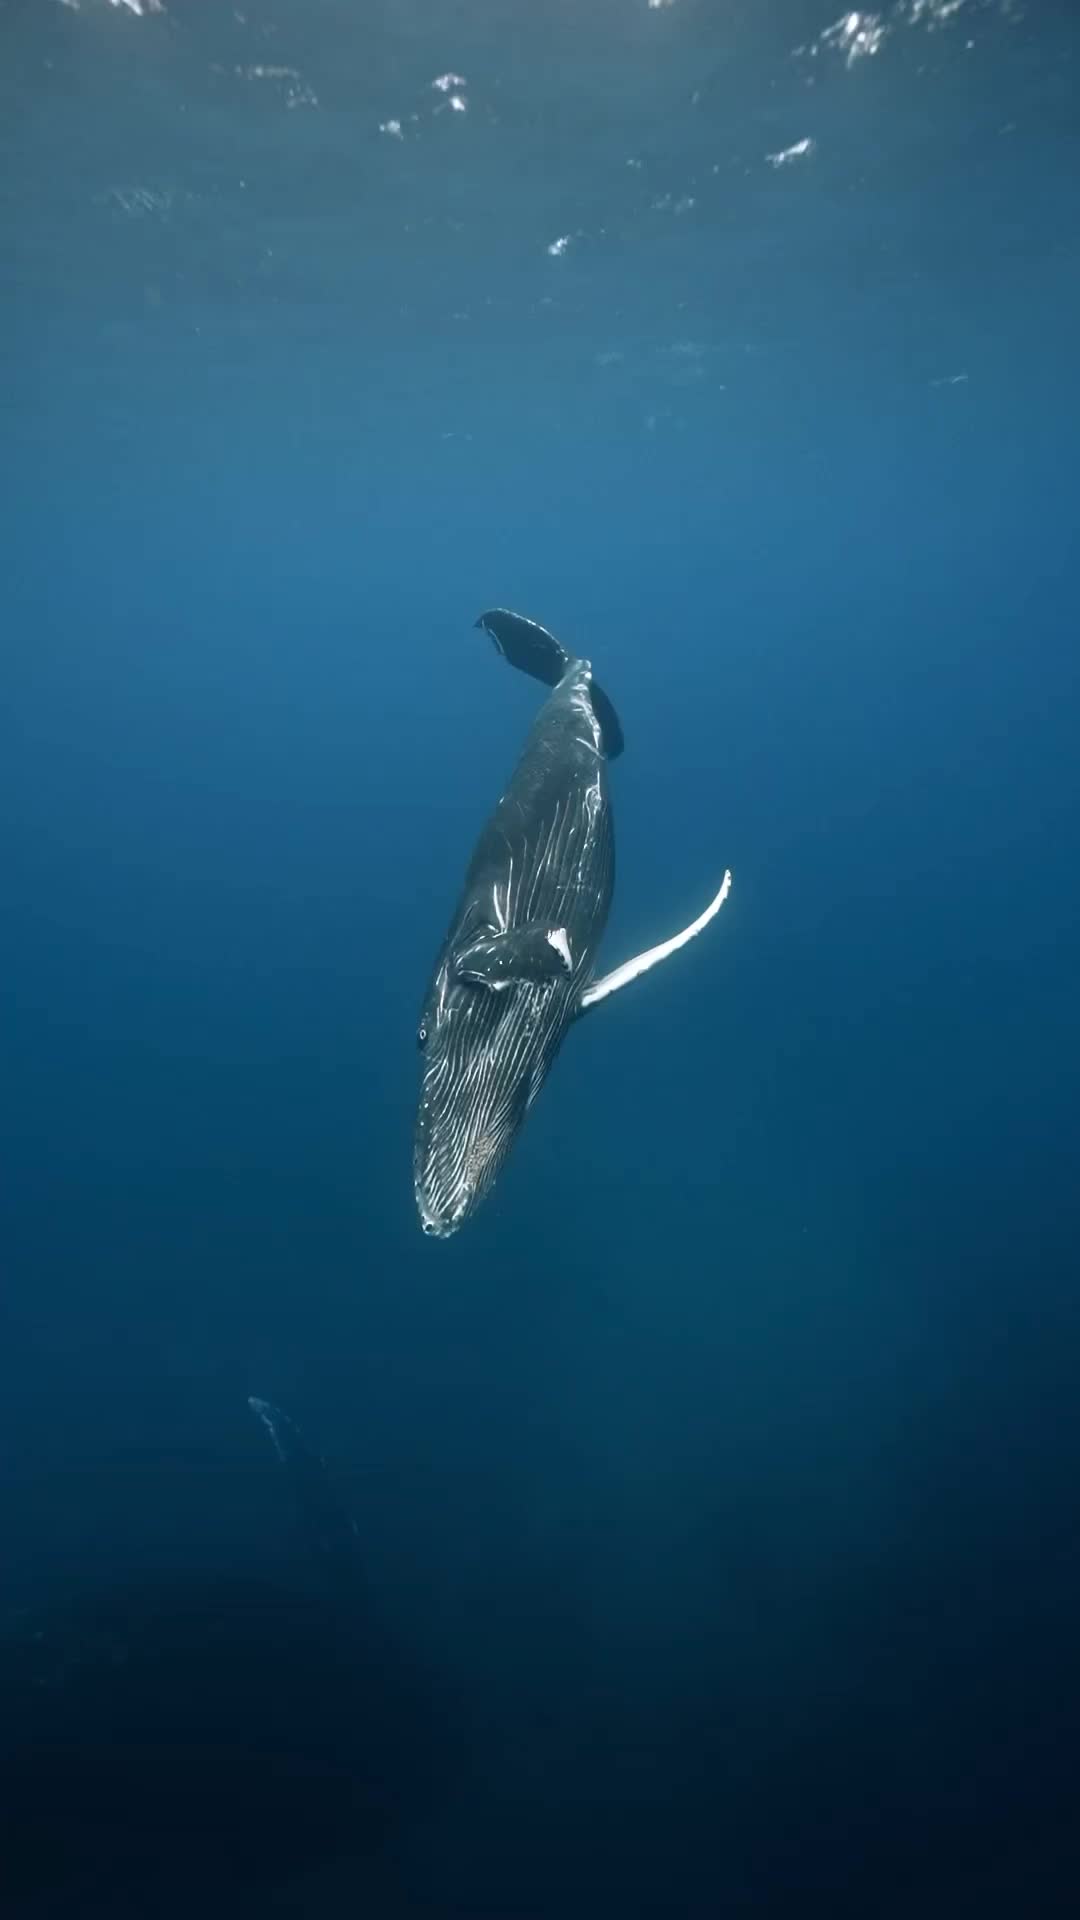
{"points": [[533, 650]]}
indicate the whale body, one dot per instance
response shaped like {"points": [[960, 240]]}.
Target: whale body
{"points": [[517, 966]]}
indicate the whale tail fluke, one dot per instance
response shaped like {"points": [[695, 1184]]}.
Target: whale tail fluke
{"points": [[526, 645], [533, 650]]}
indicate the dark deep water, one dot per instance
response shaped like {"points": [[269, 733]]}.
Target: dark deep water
{"points": [[716, 1488]]}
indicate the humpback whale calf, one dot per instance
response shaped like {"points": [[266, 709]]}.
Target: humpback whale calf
{"points": [[516, 967]]}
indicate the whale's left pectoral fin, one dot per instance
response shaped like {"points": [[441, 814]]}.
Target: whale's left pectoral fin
{"points": [[534, 954], [644, 962]]}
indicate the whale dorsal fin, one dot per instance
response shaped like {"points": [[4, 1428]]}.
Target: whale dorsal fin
{"points": [[498, 960], [533, 650], [644, 962]]}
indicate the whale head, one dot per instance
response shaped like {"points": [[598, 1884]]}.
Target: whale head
{"points": [[485, 1055]]}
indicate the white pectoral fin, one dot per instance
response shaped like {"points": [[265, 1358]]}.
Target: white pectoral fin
{"points": [[644, 962], [534, 953]]}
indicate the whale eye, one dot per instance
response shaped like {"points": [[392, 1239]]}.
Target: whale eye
{"points": [[421, 1034]]}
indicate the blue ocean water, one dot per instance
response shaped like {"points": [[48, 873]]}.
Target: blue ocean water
{"points": [[714, 1489]]}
